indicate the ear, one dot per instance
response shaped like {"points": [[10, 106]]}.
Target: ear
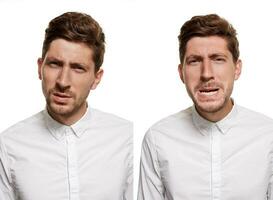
{"points": [[180, 70], [238, 69], [40, 64], [98, 76]]}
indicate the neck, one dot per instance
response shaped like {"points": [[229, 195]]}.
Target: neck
{"points": [[69, 118], [217, 115]]}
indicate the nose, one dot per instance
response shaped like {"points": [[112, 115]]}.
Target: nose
{"points": [[206, 71], [63, 80]]}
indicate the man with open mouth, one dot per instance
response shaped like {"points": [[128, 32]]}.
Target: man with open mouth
{"points": [[214, 150]]}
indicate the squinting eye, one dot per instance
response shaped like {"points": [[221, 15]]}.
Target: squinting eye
{"points": [[53, 64], [220, 60], [79, 69], [192, 62]]}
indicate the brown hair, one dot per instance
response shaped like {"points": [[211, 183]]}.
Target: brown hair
{"points": [[208, 25], [77, 27]]}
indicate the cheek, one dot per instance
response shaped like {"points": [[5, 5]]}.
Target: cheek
{"points": [[191, 78], [227, 77], [47, 82], [49, 77], [81, 83], [82, 87], [226, 72]]}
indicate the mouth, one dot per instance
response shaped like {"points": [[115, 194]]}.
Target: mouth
{"points": [[208, 91], [61, 98], [61, 95]]}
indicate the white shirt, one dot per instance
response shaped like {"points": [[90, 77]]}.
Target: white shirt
{"points": [[185, 157], [41, 159]]}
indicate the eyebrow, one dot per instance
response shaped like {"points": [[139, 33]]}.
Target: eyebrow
{"points": [[78, 65], [50, 59], [215, 55]]}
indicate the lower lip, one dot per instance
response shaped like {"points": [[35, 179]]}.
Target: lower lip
{"points": [[60, 100]]}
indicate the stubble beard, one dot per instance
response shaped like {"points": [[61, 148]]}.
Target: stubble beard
{"points": [[212, 106], [66, 110]]}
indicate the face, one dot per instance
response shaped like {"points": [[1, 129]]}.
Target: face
{"points": [[68, 74], [208, 71]]}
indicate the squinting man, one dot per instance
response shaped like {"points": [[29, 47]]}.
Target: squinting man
{"points": [[68, 151]]}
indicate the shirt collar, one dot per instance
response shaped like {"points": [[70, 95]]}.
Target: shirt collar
{"points": [[224, 125], [59, 130]]}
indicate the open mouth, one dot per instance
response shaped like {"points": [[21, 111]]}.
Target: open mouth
{"points": [[208, 91]]}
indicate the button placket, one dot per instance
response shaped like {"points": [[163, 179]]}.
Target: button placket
{"points": [[215, 163], [72, 166]]}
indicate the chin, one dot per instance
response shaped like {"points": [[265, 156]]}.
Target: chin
{"points": [[60, 109], [210, 106]]}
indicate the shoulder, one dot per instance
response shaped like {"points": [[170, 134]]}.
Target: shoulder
{"points": [[110, 127], [106, 118], [248, 115], [182, 117], [171, 125], [110, 123], [254, 121], [24, 125]]}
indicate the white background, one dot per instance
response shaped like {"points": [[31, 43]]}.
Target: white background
{"points": [[141, 82]]}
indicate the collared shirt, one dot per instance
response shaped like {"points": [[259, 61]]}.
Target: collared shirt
{"points": [[186, 157], [41, 159]]}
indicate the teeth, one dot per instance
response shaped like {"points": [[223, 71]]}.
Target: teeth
{"points": [[208, 93]]}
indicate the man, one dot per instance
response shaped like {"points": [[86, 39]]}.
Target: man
{"points": [[69, 151], [214, 149]]}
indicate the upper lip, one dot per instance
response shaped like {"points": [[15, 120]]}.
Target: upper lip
{"points": [[60, 94]]}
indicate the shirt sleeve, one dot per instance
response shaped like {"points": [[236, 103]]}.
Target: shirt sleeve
{"points": [[128, 194], [269, 196], [6, 190], [270, 184], [150, 183]]}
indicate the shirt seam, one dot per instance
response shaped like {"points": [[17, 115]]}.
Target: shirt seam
{"points": [[8, 171], [156, 152]]}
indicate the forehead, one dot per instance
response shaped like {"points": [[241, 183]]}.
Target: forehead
{"points": [[206, 45], [70, 51]]}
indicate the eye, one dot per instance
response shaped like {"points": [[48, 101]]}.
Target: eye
{"points": [[219, 59], [78, 68], [53, 64], [193, 61]]}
